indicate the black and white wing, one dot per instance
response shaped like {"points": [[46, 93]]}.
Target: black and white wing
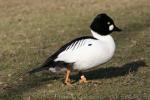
{"points": [[70, 51]]}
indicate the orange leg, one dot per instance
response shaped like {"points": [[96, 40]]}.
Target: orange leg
{"points": [[82, 78], [67, 77]]}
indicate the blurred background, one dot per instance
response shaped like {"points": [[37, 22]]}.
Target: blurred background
{"points": [[31, 30]]}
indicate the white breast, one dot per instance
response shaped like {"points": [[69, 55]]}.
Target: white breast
{"points": [[92, 53]]}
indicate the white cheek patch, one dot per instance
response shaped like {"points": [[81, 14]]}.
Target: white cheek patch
{"points": [[111, 27]]}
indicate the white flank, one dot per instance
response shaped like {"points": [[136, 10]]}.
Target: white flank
{"points": [[87, 56]]}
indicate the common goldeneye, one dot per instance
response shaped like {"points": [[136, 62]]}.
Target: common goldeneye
{"points": [[85, 52]]}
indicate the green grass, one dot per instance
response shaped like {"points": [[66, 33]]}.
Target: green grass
{"points": [[31, 30]]}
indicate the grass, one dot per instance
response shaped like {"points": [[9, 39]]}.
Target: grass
{"points": [[32, 30]]}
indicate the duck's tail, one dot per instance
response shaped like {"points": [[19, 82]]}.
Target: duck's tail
{"points": [[41, 68], [45, 66]]}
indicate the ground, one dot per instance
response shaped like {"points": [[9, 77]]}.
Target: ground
{"points": [[31, 30]]}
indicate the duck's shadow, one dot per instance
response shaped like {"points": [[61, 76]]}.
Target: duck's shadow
{"points": [[110, 72]]}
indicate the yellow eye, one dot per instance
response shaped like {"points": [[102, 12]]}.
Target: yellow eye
{"points": [[108, 23]]}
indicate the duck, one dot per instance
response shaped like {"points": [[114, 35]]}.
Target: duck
{"points": [[85, 52]]}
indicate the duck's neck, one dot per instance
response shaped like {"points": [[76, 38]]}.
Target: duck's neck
{"points": [[102, 37], [107, 39]]}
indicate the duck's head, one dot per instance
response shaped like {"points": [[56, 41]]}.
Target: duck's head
{"points": [[103, 24]]}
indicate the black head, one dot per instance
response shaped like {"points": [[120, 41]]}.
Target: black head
{"points": [[103, 24]]}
